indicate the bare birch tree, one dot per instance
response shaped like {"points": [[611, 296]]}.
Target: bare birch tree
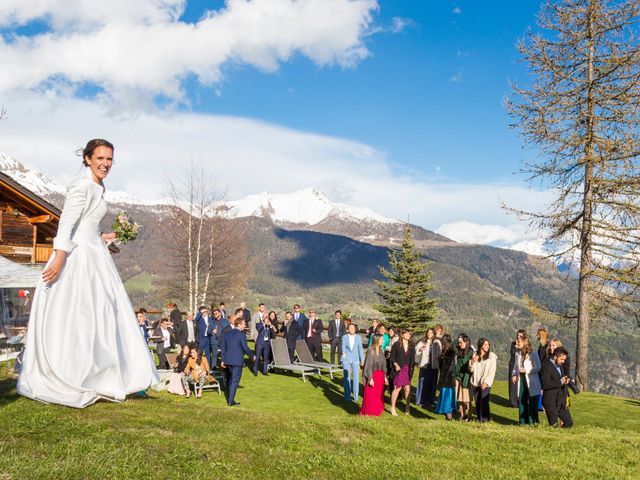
{"points": [[208, 256], [582, 114]]}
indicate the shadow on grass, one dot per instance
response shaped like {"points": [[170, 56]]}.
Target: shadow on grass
{"points": [[633, 402], [8, 392], [502, 401], [333, 391]]}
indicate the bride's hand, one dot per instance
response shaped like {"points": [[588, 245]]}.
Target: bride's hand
{"points": [[52, 272], [109, 237]]}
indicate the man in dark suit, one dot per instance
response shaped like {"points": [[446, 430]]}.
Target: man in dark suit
{"points": [[205, 331], [222, 310], [220, 326], [291, 332], [336, 331], [143, 325], [234, 347], [313, 335], [554, 389], [299, 318], [265, 331], [187, 332], [176, 317], [165, 343]]}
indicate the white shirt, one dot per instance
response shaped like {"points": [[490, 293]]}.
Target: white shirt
{"points": [[191, 335], [352, 341], [167, 337]]}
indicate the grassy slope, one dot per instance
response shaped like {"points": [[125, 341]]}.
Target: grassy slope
{"points": [[287, 429]]}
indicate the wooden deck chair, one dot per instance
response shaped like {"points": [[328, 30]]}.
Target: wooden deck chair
{"points": [[305, 358], [282, 361]]}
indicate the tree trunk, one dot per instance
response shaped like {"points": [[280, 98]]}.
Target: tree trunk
{"points": [[586, 260]]}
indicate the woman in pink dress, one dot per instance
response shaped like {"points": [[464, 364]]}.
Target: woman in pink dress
{"points": [[374, 378]]}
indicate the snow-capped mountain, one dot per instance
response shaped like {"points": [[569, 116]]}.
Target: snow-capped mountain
{"points": [[309, 207], [34, 181]]}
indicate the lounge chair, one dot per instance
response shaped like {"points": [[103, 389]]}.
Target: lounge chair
{"points": [[305, 358], [282, 361]]}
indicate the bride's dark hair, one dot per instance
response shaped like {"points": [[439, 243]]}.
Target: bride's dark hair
{"points": [[91, 146]]}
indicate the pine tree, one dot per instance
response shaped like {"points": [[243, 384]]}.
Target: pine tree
{"points": [[406, 300]]}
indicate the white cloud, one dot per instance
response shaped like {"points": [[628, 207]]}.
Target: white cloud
{"points": [[398, 24], [457, 10], [245, 156], [142, 48], [457, 77]]}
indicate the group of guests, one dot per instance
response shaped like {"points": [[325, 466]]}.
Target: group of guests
{"points": [[453, 376], [540, 380], [449, 376]]}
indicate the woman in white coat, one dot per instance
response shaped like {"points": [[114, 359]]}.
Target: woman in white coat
{"points": [[525, 376], [83, 342], [483, 368]]}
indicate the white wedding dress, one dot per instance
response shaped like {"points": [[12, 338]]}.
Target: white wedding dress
{"points": [[83, 342]]}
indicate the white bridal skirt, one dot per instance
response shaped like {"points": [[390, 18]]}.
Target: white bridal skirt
{"points": [[83, 341]]}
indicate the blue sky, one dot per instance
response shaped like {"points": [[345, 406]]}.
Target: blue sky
{"points": [[429, 96], [395, 105]]}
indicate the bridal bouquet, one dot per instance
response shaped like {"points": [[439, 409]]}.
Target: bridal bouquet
{"points": [[124, 228]]}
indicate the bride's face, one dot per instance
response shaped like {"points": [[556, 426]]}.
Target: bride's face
{"points": [[100, 163]]}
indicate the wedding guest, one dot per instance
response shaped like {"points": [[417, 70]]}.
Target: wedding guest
{"points": [[205, 328], [566, 365], [265, 331], [352, 359], [447, 378], [525, 375], [175, 317], [187, 333], [164, 344], [463, 377], [257, 317], [176, 386], [291, 332], [221, 306], [219, 326], [234, 347], [382, 330], [483, 368], [513, 388], [555, 392], [195, 373], [543, 339], [403, 357], [393, 338], [313, 329], [143, 325], [300, 318], [374, 379], [431, 381], [336, 331], [372, 330], [423, 354], [439, 331], [273, 319], [244, 313]]}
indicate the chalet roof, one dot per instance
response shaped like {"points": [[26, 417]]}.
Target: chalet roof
{"points": [[14, 275], [32, 202]]}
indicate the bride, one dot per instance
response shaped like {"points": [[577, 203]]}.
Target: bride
{"points": [[83, 342]]}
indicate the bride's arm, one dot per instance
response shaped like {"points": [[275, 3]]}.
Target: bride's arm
{"points": [[62, 244]]}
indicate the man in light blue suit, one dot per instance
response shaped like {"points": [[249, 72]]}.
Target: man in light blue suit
{"points": [[352, 360]]}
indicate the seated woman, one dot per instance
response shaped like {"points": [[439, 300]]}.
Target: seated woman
{"points": [[175, 385], [195, 373]]}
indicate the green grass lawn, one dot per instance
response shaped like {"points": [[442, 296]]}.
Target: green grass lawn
{"points": [[285, 428]]}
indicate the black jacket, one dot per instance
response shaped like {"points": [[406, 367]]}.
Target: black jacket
{"points": [[291, 333], [447, 377], [550, 378], [182, 333], [398, 356]]}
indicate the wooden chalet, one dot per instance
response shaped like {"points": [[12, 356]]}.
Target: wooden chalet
{"points": [[28, 223]]}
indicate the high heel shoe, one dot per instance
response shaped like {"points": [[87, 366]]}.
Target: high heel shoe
{"points": [[393, 412]]}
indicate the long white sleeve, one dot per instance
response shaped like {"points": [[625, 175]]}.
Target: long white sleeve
{"points": [[73, 206], [489, 373]]}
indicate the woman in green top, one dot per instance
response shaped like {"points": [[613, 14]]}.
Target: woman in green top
{"points": [[463, 376], [382, 330]]}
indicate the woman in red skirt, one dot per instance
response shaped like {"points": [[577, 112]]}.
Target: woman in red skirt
{"points": [[374, 378]]}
